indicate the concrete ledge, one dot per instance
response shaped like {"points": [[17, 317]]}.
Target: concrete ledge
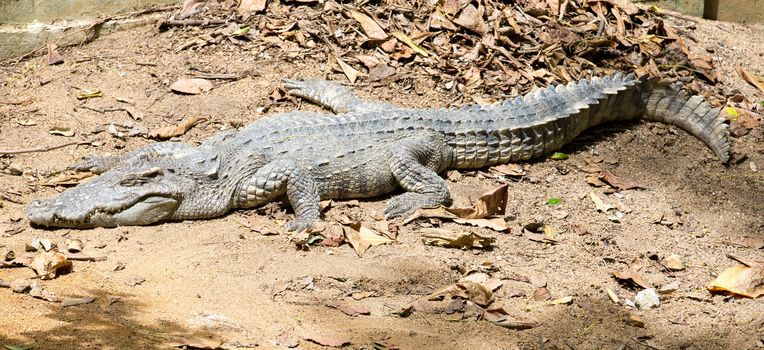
{"points": [[51, 11], [27, 25]]}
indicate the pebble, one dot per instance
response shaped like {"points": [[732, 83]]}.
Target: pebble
{"points": [[647, 299], [669, 288], [674, 262], [15, 169], [21, 285], [635, 321]]}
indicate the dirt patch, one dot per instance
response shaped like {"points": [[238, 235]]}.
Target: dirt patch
{"points": [[217, 277]]}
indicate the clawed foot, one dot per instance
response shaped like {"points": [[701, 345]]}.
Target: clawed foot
{"points": [[403, 205], [299, 225], [310, 88]]}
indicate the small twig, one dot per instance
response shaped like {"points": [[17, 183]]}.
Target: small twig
{"points": [[4, 101], [194, 22], [41, 149], [681, 16], [80, 257]]}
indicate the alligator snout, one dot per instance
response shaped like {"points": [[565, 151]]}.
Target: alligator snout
{"points": [[41, 212]]}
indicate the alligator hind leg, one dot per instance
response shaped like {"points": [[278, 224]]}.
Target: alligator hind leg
{"points": [[101, 164], [415, 163], [279, 177], [331, 95]]}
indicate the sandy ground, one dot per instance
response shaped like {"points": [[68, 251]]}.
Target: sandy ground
{"points": [[218, 277]]}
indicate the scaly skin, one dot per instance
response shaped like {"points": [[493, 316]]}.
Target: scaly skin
{"points": [[367, 149]]}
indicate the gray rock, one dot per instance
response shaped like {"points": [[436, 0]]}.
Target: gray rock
{"points": [[647, 299]]}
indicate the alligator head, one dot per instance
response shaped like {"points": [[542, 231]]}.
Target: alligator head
{"points": [[142, 191]]}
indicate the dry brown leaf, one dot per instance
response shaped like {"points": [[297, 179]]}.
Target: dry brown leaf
{"points": [[541, 294], [68, 179], [349, 71], [451, 7], [755, 242], [134, 113], [173, 131], [599, 204], [369, 26], [537, 279], [369, 61], [496, 224], [439, 212], [247, 7], [196, 342], [618, 182], [472, 78], [558, 301], [47, 264], [438, 20], [472, 19], [594, 180], [500, 317], [750, 78], [741, 280], [134, 280], [61, 131], [40, 293], [362, 295], [632, 277], [191, 86], [411, 44], [334, 235], [362, 238], [490, 203], [53, 56], [449, 239], [474, 292], [262, 225], [22, 260], [510, 169]]}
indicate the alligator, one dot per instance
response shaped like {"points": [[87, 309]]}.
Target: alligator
{"points": [[364, 149]]}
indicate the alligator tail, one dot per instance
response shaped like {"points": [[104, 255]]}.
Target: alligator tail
{"points": [[673, 105]]}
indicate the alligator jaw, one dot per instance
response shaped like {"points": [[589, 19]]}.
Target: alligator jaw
{"points": [[143, 211]]}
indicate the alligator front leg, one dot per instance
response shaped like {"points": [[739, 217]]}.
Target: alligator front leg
{"points": [[279, 177], [101, 164], [415, 163], [331, 95]]}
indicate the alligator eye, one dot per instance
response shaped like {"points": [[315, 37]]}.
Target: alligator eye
{"points": [[128, 182]]}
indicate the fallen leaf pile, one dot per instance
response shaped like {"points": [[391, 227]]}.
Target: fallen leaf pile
{"points": [[47, 262], [476, 47], [486, 212], [473, 298]]}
